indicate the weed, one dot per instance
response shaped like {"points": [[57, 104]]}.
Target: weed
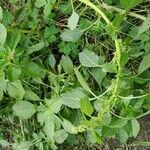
{"points": [[73, 70]]}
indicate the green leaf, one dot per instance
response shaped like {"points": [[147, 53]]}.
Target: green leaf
{"points": [[118, 123], [54, 104], [88, 59], [82, 81], [69, 127], [145, 64], [1, 13], [122, 134], [30, 95], [50, 32], [98, 104], [41, 117], [47, 10], [118, 20], [72, 98], [49, 127], [111, 68], [35, 48], [106, 119], [13, 73], [51, 60], [89, 137], [146, 104], [4, 143], [13, 39], [108, 132], [46, 118], [40, 3], [128, 129], [73, 20], [67, 64], [60, 136], [71, 35], [128, 4], [146, 47], [145, 26], [8, 18], [3, 34], [57, 122], [32, 69], [24, 109], [23, 145], [98, 75], [85, 106], [15, 90], [2, 81], [68, 48], [1, 94], [124, 59], [135, 127], [97, 137]]}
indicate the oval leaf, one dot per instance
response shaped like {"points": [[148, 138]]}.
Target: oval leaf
{"points": [[88, 59], [128, 4], [3, 34], [72, 98], [145, 63], [60, 136], [24, 109], [15, 90], [85, 106], [71, 36], [69, 127], [73, 20], [40, 3], [135, 127], [1, 13], [82, 81], [67, 64]]}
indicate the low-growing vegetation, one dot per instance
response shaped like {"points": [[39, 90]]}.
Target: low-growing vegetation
{"points": [[73, 71]]}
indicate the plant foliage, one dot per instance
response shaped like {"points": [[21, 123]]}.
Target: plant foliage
{"points": [[72, 70]]}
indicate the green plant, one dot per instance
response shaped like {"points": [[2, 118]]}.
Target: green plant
{"points": [[68, 69]]}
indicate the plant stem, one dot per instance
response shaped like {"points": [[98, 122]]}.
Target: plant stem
{"points": [[116, 87], [88, 3], [119, 72], [72, 5], [22, 131], [113, 8], [116, 84], [22, 31]]}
